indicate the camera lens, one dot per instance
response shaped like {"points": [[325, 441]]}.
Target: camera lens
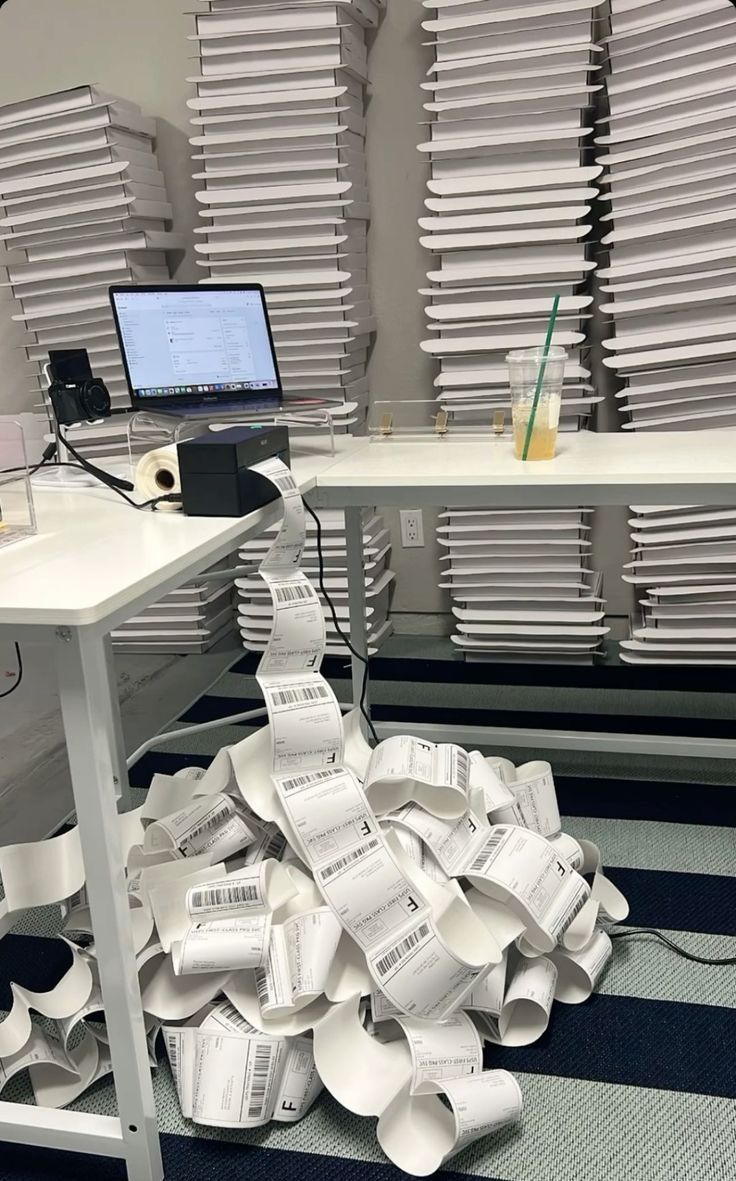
{"points": [[96, 400]]}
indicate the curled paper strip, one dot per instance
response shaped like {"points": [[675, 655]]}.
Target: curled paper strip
{"points": [[527, 1003], [60, 1002], [267, 1078], [303, 873], [534, 800], [579, 971], [435, 775], [522, 869], [420, 1133], [40, 873]]}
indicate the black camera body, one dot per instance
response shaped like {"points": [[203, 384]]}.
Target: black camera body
{"points": [[75, 394]]}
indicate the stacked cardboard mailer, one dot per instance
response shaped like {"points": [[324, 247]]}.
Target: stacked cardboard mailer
{"points": [[668, 146], [507, 218], [683, 569], [310, 912], [83, 205], [279, 128], [522, 584], [509, 196], [191, 619], [279, 148]]}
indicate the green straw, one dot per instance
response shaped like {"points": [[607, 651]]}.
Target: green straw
{"points": [[540, 376]]}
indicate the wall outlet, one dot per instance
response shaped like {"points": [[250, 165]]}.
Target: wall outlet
{"points": [[412, 528]]}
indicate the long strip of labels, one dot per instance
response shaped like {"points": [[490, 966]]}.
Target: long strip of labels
{"points": [[310, 912]]}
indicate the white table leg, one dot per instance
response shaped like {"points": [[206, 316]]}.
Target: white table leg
{"points": [[356, 597], [87, 711], [120, 767]]}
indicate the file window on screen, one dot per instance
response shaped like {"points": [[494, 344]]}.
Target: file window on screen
{"points": [[192, 342]]}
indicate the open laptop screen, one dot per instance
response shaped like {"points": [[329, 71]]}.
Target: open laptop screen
{"points": [[196, 345]]}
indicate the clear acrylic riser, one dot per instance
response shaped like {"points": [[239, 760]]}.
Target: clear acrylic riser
{"points": [[419, 420], [148, 430], [17, 511]]}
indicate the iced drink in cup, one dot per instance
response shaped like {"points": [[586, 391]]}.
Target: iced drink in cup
{"points": [[524, 367]]}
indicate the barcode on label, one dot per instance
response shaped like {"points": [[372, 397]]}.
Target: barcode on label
{"points": [[262, 989], [259, 1082], [569, 918], [286, 482], [491, 845], [402, 949], [236, 895], [230, 1013], [461, 770], [215, 820], [297, 781], [349, 858], [293, 593], [275, 846], [172, 1049], [299, 695]]}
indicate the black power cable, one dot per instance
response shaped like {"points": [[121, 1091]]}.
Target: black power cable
{"points": [[19, 675], [338, 627], [688, 955], [170, 498], [116, 482]]}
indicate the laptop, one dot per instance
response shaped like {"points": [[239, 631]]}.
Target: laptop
{"points": [[194, 351]]}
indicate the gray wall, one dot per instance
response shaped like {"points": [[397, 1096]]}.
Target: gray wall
{"points": [[139, 50]]}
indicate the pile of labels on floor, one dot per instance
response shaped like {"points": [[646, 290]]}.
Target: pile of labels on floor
{"points": [[309, 912]]}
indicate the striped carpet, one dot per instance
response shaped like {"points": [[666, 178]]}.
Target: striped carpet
{"points": [[636, 1085]]}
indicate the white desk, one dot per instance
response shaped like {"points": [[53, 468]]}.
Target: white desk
{"points": [[694, 467], [698, 467], [94, 563]]}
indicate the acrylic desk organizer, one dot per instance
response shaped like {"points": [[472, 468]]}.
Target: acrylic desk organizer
{"points": [[17, 512], [148, 430]]}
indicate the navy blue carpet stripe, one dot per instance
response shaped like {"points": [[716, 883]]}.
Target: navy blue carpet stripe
{"points": [[704, 903], [33, 961], [208, 708], [631, 799], [190, 1159], [163, 762], [639, 1043], [457, 671], [541, 720]]}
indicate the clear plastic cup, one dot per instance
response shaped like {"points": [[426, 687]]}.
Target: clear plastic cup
{"points": [[524, 365]]}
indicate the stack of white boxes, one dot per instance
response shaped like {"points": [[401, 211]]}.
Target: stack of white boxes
{"points": [[279, 152], [509, 198], [506, 221], [255, 611], [668, 148], [193, 618], [522, 584], [279, 128], [683, 569], [83, 206]]}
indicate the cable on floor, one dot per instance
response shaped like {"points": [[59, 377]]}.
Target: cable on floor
{"points": [[688, 955], [338, 627], [19, 674]]}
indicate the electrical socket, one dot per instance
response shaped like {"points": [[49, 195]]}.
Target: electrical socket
{"points": [[412, 528]]}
